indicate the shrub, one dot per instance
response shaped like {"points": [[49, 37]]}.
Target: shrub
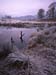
{"points": [[5, 51], [47, 33]]}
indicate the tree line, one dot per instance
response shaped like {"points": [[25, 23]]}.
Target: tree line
{"points": [[50, 14]]}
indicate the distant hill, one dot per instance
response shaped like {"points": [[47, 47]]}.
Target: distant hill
{"points": [[28, 17], [2, 15], [24, 18]]}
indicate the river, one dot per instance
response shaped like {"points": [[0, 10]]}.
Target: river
{"points": [[6, 33]]}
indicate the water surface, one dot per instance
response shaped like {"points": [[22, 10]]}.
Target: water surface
{"points": [[7, 32]]}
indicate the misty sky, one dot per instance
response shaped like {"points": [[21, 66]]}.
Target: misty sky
{"points": [[23, 7]]}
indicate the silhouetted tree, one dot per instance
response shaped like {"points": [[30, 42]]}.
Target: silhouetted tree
{"points": [[52, 10], [41, 13]]}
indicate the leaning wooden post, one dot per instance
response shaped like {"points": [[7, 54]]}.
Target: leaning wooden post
{"points": [[21, 36]]}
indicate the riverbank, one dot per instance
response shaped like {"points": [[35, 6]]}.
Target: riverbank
{"points": [[42, 46], [28, 24], [38, 58]]}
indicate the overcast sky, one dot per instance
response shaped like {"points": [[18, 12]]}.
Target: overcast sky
{"points": [[23, 7]]}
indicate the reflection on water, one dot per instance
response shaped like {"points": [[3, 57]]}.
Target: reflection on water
{"points": [[13, 34]]}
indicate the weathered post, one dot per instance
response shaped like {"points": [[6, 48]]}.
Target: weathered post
{"points": [[12, 42], [21, 36]]}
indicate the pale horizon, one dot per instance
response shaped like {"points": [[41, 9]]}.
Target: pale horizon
{"points": [[23, 7]]}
